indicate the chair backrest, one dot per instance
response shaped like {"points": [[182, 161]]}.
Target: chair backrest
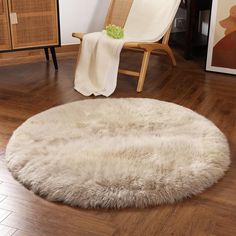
{"points": [[118, 12]]}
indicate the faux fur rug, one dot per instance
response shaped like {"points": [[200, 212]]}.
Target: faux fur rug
{"points": [[118, 153]]}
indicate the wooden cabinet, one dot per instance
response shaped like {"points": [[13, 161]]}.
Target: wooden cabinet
{"points": [[5, 40], [28, 24]]}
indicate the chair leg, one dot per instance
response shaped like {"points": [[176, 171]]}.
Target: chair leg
{"points": [[171, 55], [54, 57], [143, 72], [46, 53]]}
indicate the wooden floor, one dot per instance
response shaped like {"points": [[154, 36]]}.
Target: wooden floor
{"points": [[28, 89]]}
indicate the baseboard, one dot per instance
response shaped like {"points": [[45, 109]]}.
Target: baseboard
{"points": [[27, 56]]}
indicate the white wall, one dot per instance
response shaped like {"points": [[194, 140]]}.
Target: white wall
{"points": [[81, 16]]}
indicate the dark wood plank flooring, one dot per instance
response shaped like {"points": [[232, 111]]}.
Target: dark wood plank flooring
{"points": [[28, 89]]}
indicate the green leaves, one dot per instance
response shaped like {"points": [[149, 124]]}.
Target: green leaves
{"points": [[115, 31]]}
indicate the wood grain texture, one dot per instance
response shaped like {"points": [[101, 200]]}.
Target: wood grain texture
{"points": [[36, 55], [28, 89], [5, 42]]}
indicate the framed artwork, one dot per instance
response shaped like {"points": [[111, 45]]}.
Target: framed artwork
{"points": [[221, 55]]}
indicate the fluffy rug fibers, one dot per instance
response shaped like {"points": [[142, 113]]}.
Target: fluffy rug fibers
{"points": [[117, 153]]}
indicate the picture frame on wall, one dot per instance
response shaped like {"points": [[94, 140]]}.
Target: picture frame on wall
{"points": [[221, 56]]}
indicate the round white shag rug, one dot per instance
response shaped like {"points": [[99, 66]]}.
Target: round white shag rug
{"points": [[118, 153]]}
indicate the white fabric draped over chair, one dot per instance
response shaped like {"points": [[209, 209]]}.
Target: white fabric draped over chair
{"points": [[146, 23]]}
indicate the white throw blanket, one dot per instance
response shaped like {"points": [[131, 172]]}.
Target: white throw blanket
{"points": [[97, 68]]}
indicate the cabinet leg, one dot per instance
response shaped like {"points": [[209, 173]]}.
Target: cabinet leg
{"points": [[46, 53], [54, 57]]}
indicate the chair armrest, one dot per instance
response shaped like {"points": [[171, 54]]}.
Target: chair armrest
{"points": [[78, 35], [144, 46]]}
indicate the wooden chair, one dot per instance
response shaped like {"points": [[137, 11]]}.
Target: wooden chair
{"points": [[117, 14]]}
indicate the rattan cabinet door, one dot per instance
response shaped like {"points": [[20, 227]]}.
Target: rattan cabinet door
{"points": [[34, 23], [5, 41]]}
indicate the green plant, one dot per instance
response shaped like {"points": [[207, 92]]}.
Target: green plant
{"points": [[115, 31]]}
